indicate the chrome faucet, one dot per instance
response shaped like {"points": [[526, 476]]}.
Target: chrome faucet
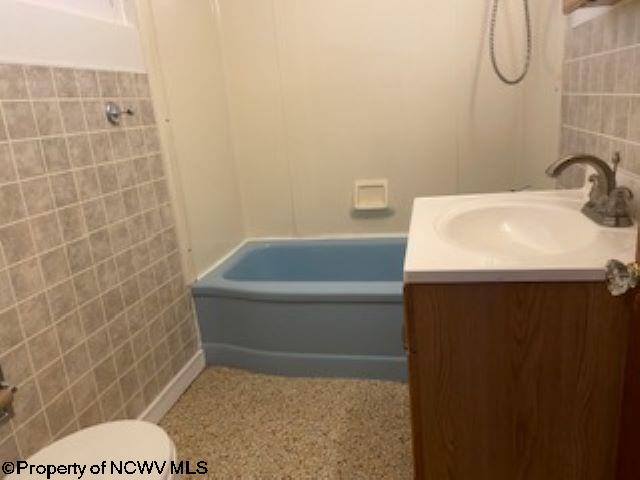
{"points": [[608, 204]]}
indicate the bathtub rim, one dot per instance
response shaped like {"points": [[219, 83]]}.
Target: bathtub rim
{"points": [[213, 283]]}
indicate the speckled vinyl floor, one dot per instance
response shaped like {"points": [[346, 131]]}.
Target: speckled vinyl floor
{"points": [[250, 426]]}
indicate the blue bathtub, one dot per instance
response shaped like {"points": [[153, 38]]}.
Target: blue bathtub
{"points": [[328, 308]]}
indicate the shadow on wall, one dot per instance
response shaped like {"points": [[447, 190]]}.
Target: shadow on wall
{"points": [[372, 214]]}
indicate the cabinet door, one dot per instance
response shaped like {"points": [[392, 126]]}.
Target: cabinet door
{"points": [[516, 381]]}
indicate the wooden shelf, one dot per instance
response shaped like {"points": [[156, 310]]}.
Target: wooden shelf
{"points": [[572, 5]]}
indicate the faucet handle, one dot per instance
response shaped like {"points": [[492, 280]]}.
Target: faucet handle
{"points": [[618, 205]]}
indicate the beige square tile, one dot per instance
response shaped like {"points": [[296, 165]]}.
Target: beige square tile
{"points": [[46, 231], [12, 206], [621, 117], [94, 214], [47, 117], [120, 238], [73, 116], [119, 331], [105, 374], [9, 449], [40, 82], [65, 82], [84, 391], [142, 85], [146, 112], [127, 174], [108, 84], [108, 178], [17, 242], [34, 314], [72, 223], [111, 401], [130, 292], [100, 245], [64, 189], [7, 170], [33, 436], [3, 129], [634, 120], [55, 266], [114, 207], [16, 365], [626, 25], [94, 114], [127, 84], [136, 228], [60, 413], [80, 150], [6, 294], [56, 155], [86, 286], [624, 71], [136, 142], [151, 140], [131, 201], [99, 346], [37, 195], [79, 254], [62, 300], [150, 390], [28, 158], [133, 120], [92, 316], [156, 166], [140, 340], [107, 274], [43, 348], [112, 303], [92, 415], [26, 278], [10, 331], [52, 380], [143, 172], [101, 147], [70, 332], [76, 364], [120, 144], [87, 181], [68, 430], [125, 265], [87, 83], [123, 357], [147, 366], [12, 82], [147, 196], [609, 73], [20, 120], [129, 384], [610, 32]]}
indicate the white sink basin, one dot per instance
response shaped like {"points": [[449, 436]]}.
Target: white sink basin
{"points": [[517, 228], [540, 236]]}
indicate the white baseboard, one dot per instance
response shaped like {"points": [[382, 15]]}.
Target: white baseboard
{"points": [[176, 387]]}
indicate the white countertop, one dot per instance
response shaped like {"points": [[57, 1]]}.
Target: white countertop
{"points": [[552, 241]]}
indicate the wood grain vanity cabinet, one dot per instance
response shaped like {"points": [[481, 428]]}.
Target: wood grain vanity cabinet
{"points": [[515, 380], [571, 5]]}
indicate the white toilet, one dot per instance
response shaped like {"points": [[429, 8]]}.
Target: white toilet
{"points": [[120, 441]]}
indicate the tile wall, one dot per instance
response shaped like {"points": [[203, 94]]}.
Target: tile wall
{"points": [[95, 318], [601, 88]]}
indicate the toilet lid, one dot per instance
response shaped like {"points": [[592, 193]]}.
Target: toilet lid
{"points": [[127, 440]]}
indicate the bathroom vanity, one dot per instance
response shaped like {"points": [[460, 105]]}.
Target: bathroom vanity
{"points": [[516, 347]]}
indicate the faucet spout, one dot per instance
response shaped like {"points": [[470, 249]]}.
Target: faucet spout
{"points": [[608, 204], [604, 171]]}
